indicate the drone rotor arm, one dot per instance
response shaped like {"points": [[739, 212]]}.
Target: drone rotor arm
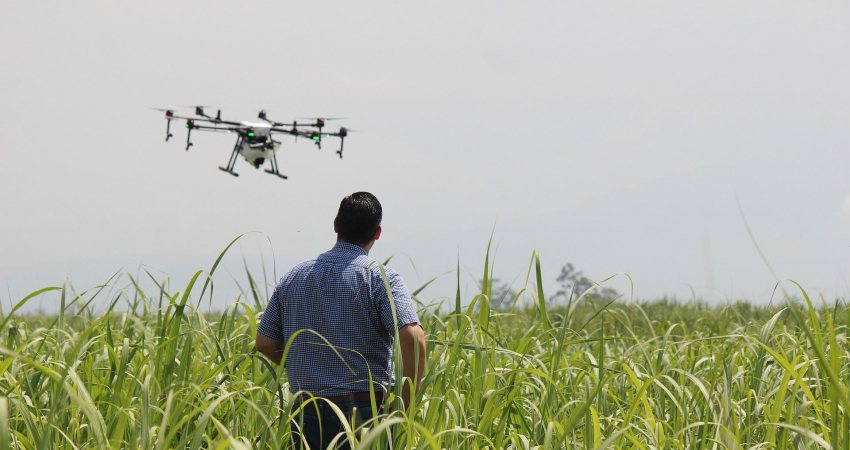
{"points": [[291, 131], [227, 122], [227, 129]]}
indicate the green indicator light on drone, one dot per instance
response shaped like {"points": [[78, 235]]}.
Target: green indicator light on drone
{"points": [[251, 134], [315, 138]]}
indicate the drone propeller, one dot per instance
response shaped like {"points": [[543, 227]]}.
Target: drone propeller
{"points": [[263, 115], [169, 112], [327, 119], [199, 110], [319, 122]]}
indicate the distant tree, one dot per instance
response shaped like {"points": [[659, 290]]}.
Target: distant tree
{"points": [[502, 295], [573, 283]]}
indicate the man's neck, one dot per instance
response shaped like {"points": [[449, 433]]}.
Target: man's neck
{"points": [[365, 247]]}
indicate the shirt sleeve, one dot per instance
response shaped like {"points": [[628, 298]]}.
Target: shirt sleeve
{"points": [[270, 324], [405, 307]]}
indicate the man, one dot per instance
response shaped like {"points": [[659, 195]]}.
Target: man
{"points": [[340, 298]]}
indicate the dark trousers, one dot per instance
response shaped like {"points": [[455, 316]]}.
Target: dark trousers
{"points": [[318, 424]]}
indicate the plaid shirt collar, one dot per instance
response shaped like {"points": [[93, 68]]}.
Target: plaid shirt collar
{"points": [[348, 247]]}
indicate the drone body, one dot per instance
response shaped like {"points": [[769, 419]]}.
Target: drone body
{"points": [[257, 146], [254, 140]]}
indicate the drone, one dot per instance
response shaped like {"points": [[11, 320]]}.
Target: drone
{"points": [[255, 141]]}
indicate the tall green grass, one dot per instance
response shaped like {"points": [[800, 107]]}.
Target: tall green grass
{"points": [[160, 373]]}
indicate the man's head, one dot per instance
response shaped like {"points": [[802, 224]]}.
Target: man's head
{"points": [[359, 219]]}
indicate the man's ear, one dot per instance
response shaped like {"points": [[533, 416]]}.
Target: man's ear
{"points": [[336, 224], [377, 233]]}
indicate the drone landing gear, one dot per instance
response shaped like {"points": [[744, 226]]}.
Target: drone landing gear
{"points": [[228, 171], [277, 174], [273, 170], [232, 161]]}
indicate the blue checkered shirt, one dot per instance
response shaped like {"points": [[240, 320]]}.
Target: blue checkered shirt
{"points": [[341, 296]]}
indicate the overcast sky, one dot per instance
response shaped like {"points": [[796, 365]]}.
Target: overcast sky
{"points": [[620, 136]]}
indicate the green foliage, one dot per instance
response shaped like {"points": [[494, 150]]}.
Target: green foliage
{"points": [[588, 375]]}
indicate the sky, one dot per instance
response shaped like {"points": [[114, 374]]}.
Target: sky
{"points": [[637, 140]]}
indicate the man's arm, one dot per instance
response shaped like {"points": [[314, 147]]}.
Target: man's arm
{"points": [[269, 339], [271, 348], [412, 344]]}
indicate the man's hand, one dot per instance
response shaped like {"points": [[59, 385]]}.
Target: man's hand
{"points": [[271, 348], [412, 344]]}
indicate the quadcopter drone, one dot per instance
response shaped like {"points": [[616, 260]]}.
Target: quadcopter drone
{"points": [[254, 140]]}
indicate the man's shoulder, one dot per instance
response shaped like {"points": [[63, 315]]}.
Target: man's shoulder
{"points": [[371, 268], [304, 265], [363, 263], [377, 269], [300, 268], [378, 272]]}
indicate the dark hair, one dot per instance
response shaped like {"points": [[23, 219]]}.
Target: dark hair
{"points": [[358, 218]]}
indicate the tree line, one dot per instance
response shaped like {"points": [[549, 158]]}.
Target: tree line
{"points": [[572, 283]]}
